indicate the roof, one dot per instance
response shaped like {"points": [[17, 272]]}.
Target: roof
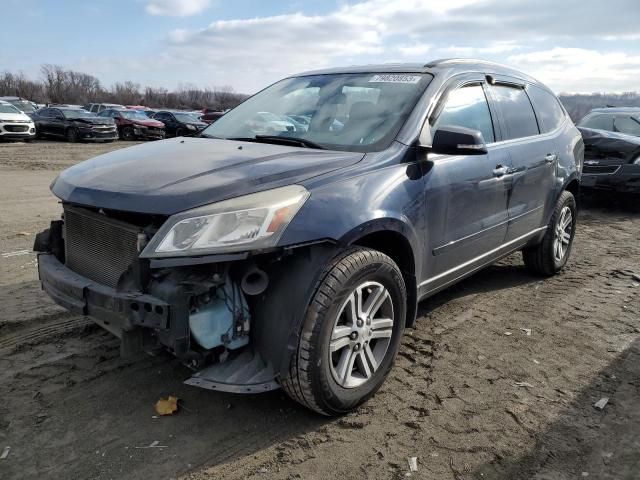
{"points": [[616, 110], [447, 66]]}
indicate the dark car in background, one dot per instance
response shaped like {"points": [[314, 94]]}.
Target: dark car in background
{"points": [[178, 123], [133, 124], [297, 259], [612, 149], [74, 124]]}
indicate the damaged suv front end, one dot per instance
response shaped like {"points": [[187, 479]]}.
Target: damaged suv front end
{"points": [[190, 280]]}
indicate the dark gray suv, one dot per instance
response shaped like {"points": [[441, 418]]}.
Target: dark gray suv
{"points": [[293, 254]]}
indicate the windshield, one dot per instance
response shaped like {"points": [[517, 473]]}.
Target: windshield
{"points": [[26, 107], [77, 113], [8, 109], [186, 117], [357, 112], [133, 115]]}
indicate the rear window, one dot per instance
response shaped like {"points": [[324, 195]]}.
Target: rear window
{"points": [[550, 113], [517, 112]]}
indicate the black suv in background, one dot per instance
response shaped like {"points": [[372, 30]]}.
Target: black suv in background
{"points": [[297, 259], [74, 124], [612, 149], [178, 124]]}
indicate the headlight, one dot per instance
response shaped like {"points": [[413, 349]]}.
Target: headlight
{"points": [[191, 127], [243, 223]]}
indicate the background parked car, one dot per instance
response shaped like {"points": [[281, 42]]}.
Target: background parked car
{"points": [[98, 107], [74, 124], [612, 149], [210, 116], [21, 104], [179, 123], [134, 124], [14, 124]]}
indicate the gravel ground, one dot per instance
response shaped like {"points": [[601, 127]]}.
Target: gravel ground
{"points": [[497, 381]]}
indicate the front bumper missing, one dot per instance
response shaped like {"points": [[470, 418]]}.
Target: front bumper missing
{"points": [[128, 314]]}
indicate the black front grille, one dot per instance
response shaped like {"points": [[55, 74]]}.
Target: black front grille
{"points": [[600, 169], [16, 128], [97, 247]]}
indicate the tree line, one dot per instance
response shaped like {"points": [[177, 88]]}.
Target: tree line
{"points": [[58, 85], [578, 105]]}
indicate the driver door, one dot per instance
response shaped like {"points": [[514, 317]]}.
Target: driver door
{"points": [[467, 195]]}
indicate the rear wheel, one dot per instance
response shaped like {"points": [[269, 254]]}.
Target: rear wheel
{"points": [[72, 135], [351, 333], [551, 255]]}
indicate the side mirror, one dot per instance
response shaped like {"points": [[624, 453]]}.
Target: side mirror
{"points": [[450, 140]]}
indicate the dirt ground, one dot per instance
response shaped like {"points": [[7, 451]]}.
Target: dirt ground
{"points": [[497, 381]]}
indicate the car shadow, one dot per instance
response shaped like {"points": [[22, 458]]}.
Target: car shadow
{"points": [[585, 442], [507, 273], [610, 202]]}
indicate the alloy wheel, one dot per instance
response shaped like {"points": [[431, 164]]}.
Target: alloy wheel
{"points": [[562, 238], [361, 335]]}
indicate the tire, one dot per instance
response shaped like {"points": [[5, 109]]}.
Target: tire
{"points": [[336, 383], [179, 132], [127, 134], [545, 258], [72, 135]]}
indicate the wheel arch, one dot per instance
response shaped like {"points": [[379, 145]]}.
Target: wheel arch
{"points": [[392, 237]]}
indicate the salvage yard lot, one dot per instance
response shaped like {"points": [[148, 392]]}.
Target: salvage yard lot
{"points": [[497, 380]]}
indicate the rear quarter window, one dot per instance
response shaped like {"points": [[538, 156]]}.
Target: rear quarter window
{"points": [[550, 113], [516, 110]]}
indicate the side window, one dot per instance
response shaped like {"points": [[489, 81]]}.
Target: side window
{"points": [[467, 107], [45, 112], [598, 121], [55, 113], [517, 112], [548, 108], [627, 124], [94, 108]]}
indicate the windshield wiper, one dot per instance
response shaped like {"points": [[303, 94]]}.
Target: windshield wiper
{"points": [[302, 142]]}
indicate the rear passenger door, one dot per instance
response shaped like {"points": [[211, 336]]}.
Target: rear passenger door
{"points": [[533, 158]]}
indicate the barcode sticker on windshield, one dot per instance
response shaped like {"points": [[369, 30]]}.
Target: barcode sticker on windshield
{"points": [[395, 78]]}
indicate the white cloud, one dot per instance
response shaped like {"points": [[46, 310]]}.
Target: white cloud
{"points": [[176, 8], [581, 70], [542, 37]]}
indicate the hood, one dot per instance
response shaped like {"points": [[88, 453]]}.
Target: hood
{"points": [[174, 175], [148, 123], [608, 148], [94, 120], [593, 134], [12, 117]]}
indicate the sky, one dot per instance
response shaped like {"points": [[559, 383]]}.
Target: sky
{"points": [[571, 45]]}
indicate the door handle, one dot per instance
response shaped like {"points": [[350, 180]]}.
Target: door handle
{"points": [[500, 171], [550, 158]]}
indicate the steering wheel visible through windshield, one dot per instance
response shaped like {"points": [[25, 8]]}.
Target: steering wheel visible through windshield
{"points": [[354, 112]]}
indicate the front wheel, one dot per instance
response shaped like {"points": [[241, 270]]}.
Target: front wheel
{"points": [[351, 333], [551, 255], [72, 135], [127, 134]]}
